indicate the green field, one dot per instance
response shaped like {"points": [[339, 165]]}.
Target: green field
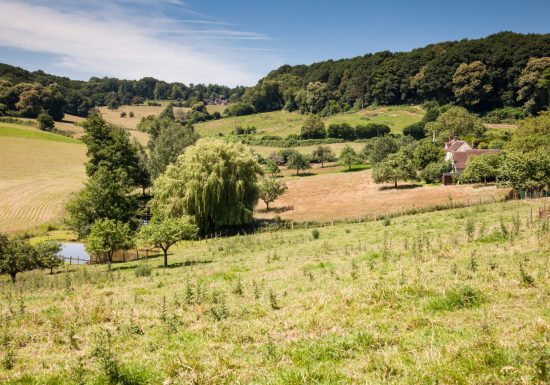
{"points": [[283, 123], [19, 131], [451, 297]]}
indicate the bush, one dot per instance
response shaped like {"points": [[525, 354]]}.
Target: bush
{"points": [[371, 130], [505, 115], [123, 114], [416, 130], [143, 270], [496, 144], [341, 131], [131, 114], [482, 145], [462, 297], [45, 121], [244, 130], [239, 109], [432, 172], [313, 128], [315, 233]]}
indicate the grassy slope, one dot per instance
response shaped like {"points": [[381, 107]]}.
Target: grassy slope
{"points": [[38, 173], [413, 302], [28, 132], [283, 123]]}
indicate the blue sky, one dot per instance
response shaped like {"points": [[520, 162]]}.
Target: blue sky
{"points": [[236, 41]]}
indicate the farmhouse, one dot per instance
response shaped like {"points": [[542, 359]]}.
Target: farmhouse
{"points": [[458, 153]]}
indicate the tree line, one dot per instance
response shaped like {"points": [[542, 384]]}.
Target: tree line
{"points": [[26, 94], [502, 70]]}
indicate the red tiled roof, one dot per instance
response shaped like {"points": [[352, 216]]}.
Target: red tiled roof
{"points": [[460, 158]]}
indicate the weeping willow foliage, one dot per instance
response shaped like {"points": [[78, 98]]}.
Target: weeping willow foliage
{"points": [[213, 181]]}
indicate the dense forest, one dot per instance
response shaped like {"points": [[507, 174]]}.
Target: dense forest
{"points": [[26, 93], [502, 70]]}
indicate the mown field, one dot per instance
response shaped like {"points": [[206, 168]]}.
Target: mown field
{"points": [[38, 173], [330, 194], [283, 123], [451, 297]]}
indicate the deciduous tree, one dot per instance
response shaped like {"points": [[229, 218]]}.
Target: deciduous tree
{"points": [[106, 237], [297, 161], [164, 232], [16, 256], [212, 181], [323, 154], [348, 157], [271, 188], [396, 167], [313, 128]]}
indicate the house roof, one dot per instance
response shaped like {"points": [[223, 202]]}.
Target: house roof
{"points": [[454, 145], [460, 158]]}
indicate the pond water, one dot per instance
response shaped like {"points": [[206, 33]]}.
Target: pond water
{"points": [[74, 253]]}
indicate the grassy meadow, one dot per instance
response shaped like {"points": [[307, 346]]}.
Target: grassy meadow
{"points": [[283, 123], [38, 173], [450, 297]]}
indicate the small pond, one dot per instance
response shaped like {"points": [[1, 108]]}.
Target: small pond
{"points": [[74, 253]]}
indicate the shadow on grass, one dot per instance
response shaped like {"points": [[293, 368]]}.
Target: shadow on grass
{"points": [[401, 187], [186, 263], [276, 210], [355, 169], [304, 174]]}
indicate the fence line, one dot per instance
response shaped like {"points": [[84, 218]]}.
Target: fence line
{"points": [[258, 227]]}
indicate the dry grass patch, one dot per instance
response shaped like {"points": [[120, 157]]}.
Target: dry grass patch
{"points": [[354, 194]]}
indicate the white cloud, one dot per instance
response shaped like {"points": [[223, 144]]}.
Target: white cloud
{"points": [[117, 44]]}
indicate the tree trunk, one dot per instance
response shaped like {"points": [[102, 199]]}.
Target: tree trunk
{"points": [[267, 206], [165, 252], [51, 270], [12, 275], [395, 183], [297, 171]]}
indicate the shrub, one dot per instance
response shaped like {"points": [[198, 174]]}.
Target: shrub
{"points": [[496, 144], [371, 130], [462, 297], [143, 270], [131, 114], [123, 114], [416, 130], [315, 233], [341, 131], [505, 115], [239, 109], [432, 173], [313, 128], [45, 121]]}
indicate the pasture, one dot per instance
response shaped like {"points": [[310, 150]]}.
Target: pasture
{"points": [[283, 123], [38, 173], [450, 297], [332, 194]]}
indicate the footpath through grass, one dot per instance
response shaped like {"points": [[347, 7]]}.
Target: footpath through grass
{"points": [[451, 297]]}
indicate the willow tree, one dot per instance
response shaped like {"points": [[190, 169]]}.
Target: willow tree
{"points": [[212, 181]]}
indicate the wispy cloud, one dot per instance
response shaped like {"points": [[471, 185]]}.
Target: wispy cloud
{"points": [[106, 39]]}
